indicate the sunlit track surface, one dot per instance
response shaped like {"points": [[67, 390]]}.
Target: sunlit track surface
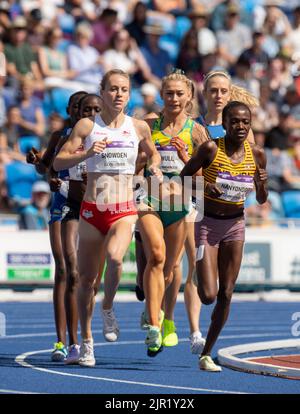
{"points": [[123, 367]]}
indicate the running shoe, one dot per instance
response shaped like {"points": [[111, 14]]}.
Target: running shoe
{"points": [[197, 343], [73, 354], [110, 325], [153, 341], [59, 353], [144, 322], [207, 364], [170, 337], [139, 293], [87, 358]]}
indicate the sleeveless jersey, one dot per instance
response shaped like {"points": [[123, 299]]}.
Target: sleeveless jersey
{"points": [[213, 131], [235, 180], [170, 161], [121, 151]]}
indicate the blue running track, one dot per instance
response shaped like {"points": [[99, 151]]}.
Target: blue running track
{"points": [[123, 367]]}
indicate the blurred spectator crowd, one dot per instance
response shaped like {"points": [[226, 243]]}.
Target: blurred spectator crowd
{"points": [[51, 48]]}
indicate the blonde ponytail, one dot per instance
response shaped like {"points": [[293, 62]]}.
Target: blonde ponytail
{"points": [[237, 93]]}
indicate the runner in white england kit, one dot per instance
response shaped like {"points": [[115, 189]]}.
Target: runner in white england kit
{"points": [[111, 144]]}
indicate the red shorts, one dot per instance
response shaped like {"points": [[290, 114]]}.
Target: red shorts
{"points": [[103, 220]]}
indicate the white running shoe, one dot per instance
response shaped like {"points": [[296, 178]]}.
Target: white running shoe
{"points": [[207, 364], [197, 343], [73, 354], [87, 358], [110, 325]]}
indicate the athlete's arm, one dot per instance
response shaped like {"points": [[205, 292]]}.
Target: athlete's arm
{"points": [[147, 146], [67, 156], [203, 157], [42, 160], [198, 136], [260, 177]]}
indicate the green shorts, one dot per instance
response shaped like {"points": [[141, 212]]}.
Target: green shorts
{"points": [[167, 217]]}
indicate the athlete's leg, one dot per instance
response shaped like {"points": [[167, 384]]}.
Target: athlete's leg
{"points": [[91, 242], [69, 233], [174, 236], [191, 297], [229, 263], [151, 230], [172, 291], [141, 263], [117, 242], [59, 281], [102, 260]]}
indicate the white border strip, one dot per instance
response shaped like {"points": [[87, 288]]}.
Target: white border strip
{"points": [[228, 358]]}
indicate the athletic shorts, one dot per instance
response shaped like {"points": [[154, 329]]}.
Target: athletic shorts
{"points": [[56, 209], [212, 231], [103, 220], [167, 217], [71, 211]]}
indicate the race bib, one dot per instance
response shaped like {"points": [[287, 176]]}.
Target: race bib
{"points": [[170, 162], [118, 155], [235, 187]]}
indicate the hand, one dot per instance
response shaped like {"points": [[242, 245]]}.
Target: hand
{"points": [[180, 146], [212, 189], [97, 148], [33, 156], [261, 175], [55, 184], [156, 172]]}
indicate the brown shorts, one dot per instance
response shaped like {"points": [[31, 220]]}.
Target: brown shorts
{"points": [[212, 231]]}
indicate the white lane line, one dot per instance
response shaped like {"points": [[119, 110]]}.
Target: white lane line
{"points": [[33, 335], [20, 359], [18, 392]]}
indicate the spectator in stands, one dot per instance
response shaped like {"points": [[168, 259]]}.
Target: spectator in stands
{"points": [[278, 80], [292, 40], [242, 77], [158, 59], [104, 28], [125, 54], [35, 216], [4, 16], [36, 29], [53, 62], [234, 39], [85, 60], [32, 120], [136, 26], [278, 136], [21, 60], [206, 39], [55, 123], [174, 7], [256, 56], [292, 170], [276, 27], [10, 130], [189, 58], [149, 93], [266, 114]]}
